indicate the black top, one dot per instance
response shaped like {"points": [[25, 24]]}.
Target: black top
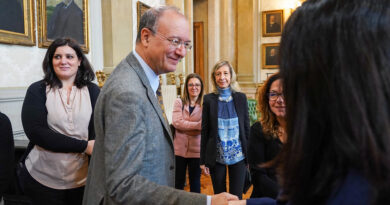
{"points": [[191, 109], [34, 119], [262, 149], [6, 154], [209, 133]]}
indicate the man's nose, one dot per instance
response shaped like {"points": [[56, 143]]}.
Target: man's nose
{"points": [[181, 51]]}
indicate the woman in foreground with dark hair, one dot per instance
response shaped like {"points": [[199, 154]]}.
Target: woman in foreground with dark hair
{"points": [[7, 155], [335, 57], [267, 137], [57, 117]]}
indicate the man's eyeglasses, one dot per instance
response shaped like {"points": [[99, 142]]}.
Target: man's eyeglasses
{"points": [[175, 42], [275, 95], [194, 85]]}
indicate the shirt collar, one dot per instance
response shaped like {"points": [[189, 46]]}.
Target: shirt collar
{"points": [[150, 74], [67, 5]]}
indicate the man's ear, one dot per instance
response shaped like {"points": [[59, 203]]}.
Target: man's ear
{"points": [[145, 36]]}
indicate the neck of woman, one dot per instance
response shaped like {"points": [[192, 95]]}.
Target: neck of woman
{"points": [[193, 101], [67, 84]]}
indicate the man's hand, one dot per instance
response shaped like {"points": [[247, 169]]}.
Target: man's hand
{"points": [[222, 198]]}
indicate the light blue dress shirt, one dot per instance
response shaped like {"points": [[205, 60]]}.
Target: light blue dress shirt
{"points": [[150, 74]]}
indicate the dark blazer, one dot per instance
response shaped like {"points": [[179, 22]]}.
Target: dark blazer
{"points": [[6, 154], [209, 133], [262, 148], [34, 120], [353, 189]]}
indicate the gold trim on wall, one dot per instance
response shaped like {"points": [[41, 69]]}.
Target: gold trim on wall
{"points": [[44, 42], [26, 38], [141, 8]]}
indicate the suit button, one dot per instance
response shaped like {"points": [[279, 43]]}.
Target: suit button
{"points": [[171, 167]]}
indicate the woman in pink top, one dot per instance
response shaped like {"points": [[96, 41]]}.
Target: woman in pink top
{"points": [[187, 119]]}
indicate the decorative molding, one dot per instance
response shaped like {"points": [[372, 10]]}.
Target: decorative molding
{"points": [[247, 78]]}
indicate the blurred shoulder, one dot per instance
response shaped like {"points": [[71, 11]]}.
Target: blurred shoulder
{"points": [[209, 96], [92, 87], [240, 95], [38, 87], [4, 119], [257, 126], [354, 189]]}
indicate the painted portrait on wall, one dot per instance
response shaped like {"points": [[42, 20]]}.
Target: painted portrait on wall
{"points": [[63, 18], [141, 9], [270, 53], [272, 23], [17, 22]]}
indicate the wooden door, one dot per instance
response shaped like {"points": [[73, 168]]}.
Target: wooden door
{"points": [[199, 50]]}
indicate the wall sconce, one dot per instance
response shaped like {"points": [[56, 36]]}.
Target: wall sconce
{"points": [[101, 78]]}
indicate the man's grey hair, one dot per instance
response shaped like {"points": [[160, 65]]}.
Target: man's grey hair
{"points": [[150, 19]]}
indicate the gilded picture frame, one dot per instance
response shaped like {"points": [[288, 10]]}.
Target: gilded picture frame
{"points": [[63, 18], [272, 23], [17, 22], [141, 8], [270, 55]]}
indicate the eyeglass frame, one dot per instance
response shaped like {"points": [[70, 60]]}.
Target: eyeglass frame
{"points": [[277, 95], [194, 85], [187, 45]]}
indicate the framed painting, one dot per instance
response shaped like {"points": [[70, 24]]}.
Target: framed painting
{"points": [[141, 8], [63, 19], [17, 22], [270, 55], [272, 22]]}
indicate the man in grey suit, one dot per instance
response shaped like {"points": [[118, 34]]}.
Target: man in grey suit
{"points": [[133, 158]]}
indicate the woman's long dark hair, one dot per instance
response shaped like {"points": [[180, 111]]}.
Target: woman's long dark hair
{"points": [[84, 74], [335, 67]]}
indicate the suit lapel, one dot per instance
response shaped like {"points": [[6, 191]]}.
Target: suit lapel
{"points": [[133, 62], [237, 105]]}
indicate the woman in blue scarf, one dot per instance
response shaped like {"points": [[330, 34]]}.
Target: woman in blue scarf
{"points": [[225, 131]]}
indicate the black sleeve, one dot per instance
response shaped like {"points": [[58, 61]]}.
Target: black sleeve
{"points": [[94, 91], [6, 154], [205, 130], [256, 148], [256, 156], [34, 120]]}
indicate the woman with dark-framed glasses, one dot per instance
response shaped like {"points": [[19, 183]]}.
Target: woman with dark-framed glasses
{"points": [[266, 137]]}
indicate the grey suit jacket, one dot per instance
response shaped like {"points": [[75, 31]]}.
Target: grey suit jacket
{"points": [[133, 158]]}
